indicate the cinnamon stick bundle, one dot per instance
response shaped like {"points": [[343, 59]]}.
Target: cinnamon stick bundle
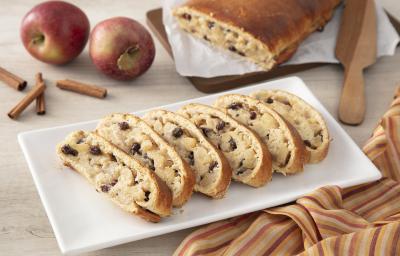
{"points": [[86, 89], [28, 99], [12, 80], [40, 101]]}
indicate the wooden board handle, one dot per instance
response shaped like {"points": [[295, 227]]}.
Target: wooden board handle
{"points": [[352, 101]]}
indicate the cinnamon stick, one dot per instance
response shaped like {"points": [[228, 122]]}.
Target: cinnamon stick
{"points": [[40, 101], [31, 96], [86, 89], [12, 80]]}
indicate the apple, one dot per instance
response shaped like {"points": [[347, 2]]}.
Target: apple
{"points": [[121, 48], [55, 32]]}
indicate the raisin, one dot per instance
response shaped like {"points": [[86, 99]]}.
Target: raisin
{"points": [[253, 115], [241, 53], [232, 48], [269, 101], [210, 24], [232, 144], [123, 126], [113, 158], [308, 144], [104, 188], [68, 150], [241, 170], [135, 148], [150, 162], [220, 125], [191, 158], [206, 38], [113, 183], [235, 106], [212, 166], [177, 173], [146, 196], [187, 16], [95, 150], [177, 132], [205, 131]]}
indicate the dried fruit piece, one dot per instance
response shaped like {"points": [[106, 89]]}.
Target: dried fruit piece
{"points": [[68, 150]]}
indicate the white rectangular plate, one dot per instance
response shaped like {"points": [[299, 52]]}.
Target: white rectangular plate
{"points": [[84, 220]]}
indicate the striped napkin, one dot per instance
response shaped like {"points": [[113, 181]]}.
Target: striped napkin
{"points": [[361, 220]]}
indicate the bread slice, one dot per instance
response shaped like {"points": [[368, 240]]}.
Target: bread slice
{"points": [[138, 139], [115, 174], [266, 32], [212, 170], [308, 121], [284, 143], [247, 155]]}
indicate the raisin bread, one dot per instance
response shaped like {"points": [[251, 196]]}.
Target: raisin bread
{"points": [[114, 173], [247, 155], [308, 122], [284, 143], [212, 170], [266, 32], [135, 137]]}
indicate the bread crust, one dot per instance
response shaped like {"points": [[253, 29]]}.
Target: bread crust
{"points": [[279, 25], [263, 172], [297, 152], [300, 107], [218, 188], [187, 180]]}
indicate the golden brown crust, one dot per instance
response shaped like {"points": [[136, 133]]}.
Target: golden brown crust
{"points": [[280, 25], [218, 188]]}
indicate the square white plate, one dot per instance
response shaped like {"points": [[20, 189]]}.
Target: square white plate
{"points": [[83, 220]]}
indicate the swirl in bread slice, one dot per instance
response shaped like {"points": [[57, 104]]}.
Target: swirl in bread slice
{"points": [[212, 170], [138, 139], [308, 121], [247, 155], [115, 174], [284, 143]]}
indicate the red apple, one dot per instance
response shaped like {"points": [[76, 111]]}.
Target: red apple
{"points": [[121, 48], [55, 32]]}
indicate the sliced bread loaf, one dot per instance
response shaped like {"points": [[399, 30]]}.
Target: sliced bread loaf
{"points": [[112, 172], [247, 155], [212, 170], [138, 139], [284, 143], [308, 122]]}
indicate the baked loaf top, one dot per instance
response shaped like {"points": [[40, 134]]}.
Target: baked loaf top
{"points": [[284, 143], [112, 172], [308, 122], [275, 23], [247, 155], [213, 173], [139, 140], [271, 28]]}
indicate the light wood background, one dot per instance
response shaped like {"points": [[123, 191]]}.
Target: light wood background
{"points": [[24, 227]]}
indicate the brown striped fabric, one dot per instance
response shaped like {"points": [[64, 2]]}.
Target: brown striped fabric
{"points": [[361, 220]]}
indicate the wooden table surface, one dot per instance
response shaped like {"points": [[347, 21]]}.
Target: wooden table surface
{"points": [[24, 227]]}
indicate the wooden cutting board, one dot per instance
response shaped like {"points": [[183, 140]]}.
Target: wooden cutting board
{"points": [[221, 83]]}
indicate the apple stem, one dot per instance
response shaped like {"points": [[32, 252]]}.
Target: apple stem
{"points": [[38, 39], [128, 59]]}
